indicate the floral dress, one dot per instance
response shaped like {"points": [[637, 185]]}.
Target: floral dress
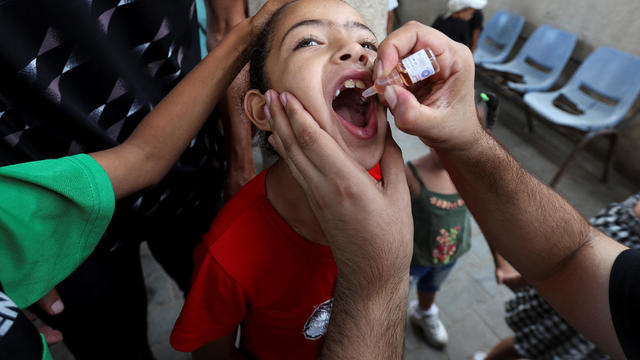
{"points": [[442, 226]]}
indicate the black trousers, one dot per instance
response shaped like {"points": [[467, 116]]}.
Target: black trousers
{"points": [[105, 315]]}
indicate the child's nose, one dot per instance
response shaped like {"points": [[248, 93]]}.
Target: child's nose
{"points": [[354, 52]]}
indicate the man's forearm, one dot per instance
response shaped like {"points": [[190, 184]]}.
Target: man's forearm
{"points": [[367, 324], [541, 235], [520, 216]]}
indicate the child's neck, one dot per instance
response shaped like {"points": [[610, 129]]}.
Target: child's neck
{"points": [[288, 198], [434, 161]]}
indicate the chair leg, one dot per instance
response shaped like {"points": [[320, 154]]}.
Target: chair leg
{"points": [[571, 158], [613, 142], [529, 115]]}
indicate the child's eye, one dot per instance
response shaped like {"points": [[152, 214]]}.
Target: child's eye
{"points": [[369, 45], [306, 43]]}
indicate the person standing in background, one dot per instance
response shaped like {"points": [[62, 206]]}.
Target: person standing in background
{"points": [[476, 26], [78, 77], [462, 22], [221, 17]]}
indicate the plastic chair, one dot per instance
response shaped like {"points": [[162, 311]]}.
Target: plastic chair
{"points": [[540, 61], [594, 101], [498, 37]]}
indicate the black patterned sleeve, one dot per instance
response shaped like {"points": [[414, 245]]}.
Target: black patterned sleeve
{"points": [[624, 301]]}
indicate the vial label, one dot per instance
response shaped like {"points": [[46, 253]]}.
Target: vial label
{"points": [[418, 66]]}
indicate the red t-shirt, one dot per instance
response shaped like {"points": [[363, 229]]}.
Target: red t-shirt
{"points": [[253, 269]]}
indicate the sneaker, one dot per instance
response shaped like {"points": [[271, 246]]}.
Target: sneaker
{"points": [[432, 328]]}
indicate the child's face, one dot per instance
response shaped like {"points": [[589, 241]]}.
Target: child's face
{"points": [[466, 14], [319, 48]]}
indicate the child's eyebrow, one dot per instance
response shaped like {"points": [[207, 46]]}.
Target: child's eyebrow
{"points": [[325, 23]]}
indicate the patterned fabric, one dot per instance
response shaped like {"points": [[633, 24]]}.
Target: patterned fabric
{"points": [[65, 91], [444, 204], [447, 245], [540, 333]]}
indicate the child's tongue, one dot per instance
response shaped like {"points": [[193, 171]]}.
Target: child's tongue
{"points": [[350, 107], [352, 115]]}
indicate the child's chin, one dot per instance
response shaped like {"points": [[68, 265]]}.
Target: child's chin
{"points": [[368, 157], [370, 162]]}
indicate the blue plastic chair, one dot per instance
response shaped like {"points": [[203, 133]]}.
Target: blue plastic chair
{"points": [[599, 94], [498, 37], [541, 60]]}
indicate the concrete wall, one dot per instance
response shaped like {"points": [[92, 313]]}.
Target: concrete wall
{"points": [[596, 23]]}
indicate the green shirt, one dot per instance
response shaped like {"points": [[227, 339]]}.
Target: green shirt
{"points": [[52, 215], [442, 226]]}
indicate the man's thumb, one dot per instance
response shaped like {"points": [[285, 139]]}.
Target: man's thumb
{"points": [[410, 116]]}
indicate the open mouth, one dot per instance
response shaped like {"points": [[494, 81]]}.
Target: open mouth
{"points": [[349, 104], [355, 112]]}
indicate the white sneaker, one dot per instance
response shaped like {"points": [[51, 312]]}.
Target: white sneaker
{"points": [[479, 356], [433, 329]]}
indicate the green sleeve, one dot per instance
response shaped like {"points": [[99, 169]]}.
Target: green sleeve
{"points": [[52, 215]]}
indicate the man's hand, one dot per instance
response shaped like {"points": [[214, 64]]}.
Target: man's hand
{"points": [[368, 225], [350, 205], [439, 110]]}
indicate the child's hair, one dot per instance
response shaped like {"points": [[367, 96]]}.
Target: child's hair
{"points": [[260, 49]]}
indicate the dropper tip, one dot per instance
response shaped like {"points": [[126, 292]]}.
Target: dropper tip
{"points": [[369, 92]]}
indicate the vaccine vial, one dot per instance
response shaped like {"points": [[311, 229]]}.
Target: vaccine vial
{"points": [[412, 69]]}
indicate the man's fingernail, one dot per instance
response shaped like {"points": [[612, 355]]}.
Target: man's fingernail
{"points": [[390, 96], [271, 141], [379, 68], [283, 99], [267, 96], [267, 113], [57, 307]]}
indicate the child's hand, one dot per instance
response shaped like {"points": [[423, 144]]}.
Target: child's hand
{"points": [[52, 305], [507, 275], [260, 19]]}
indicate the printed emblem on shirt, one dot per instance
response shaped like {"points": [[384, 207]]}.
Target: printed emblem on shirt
{"points": [[8, 314], [318, 323]]}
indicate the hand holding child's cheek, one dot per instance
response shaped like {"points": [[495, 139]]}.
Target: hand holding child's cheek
{"points": [[365, 222]]}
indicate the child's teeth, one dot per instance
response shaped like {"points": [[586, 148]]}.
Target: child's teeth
{"points": [[337, 92], [360, 84], [349, 84]]}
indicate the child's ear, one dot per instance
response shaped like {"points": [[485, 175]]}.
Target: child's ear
{"points": [[254, 102]]}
